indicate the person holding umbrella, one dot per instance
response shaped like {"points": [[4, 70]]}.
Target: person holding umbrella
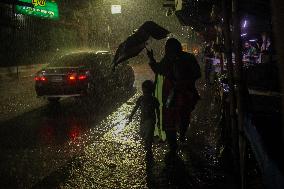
{"points": [[179, 94]]}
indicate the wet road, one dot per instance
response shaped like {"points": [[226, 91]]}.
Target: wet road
{"points": [[78, 144]]}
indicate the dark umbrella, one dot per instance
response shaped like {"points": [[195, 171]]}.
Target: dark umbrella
{"points": [[135, 43]]}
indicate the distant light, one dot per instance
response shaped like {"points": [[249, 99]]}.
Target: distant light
{"points": [[102, 52], [244, 34], [253, 40], [245, 24], [115, 9], [42, 8]]}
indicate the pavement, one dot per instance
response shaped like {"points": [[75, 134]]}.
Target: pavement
{"points": [[43, 146]]}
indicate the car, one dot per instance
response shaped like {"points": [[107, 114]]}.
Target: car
{"points": [[82, 74]]}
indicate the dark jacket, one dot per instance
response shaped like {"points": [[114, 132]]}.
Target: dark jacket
{"points": [[180, 74]]}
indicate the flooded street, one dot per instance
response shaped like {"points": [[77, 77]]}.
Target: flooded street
{"points": [[61, 146], [77, 111]]}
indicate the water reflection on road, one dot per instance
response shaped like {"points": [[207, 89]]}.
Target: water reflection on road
{"points": [[81, 144], [38, 142], [117, 159], [113, 161]]}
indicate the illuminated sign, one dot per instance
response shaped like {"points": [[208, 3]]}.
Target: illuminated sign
{"points": [[39, 2], [42, 8], [115, 9]]}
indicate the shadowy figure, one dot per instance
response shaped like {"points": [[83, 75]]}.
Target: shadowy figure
{"points": [[150, 112], [150, 177], [177, 176], [179, 94]]}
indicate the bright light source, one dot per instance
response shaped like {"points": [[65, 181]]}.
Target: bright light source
{"points": [[115, 9], [43, 9], [72, 77], [253, 40], [244, 34], [82, 77], [40, 78], [245, 24]]}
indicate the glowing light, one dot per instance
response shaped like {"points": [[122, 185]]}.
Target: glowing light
{"points": [[43, 78], [115, 9], [72, 77], [253, 40], [82, 77], [40, 78], [74, 133], [42, 8], [245, 24]]}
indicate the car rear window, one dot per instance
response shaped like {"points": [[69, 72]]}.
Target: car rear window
{"points": [[78, 60], [101, 58], [73, 60]]}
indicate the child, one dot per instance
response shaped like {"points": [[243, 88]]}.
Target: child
{"points": [[149, 106]]}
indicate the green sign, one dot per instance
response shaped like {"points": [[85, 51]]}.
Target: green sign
{"points": [[42, 8]]}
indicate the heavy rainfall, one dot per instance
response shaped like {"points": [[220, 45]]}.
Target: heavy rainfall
{"points": [[72, 74]]}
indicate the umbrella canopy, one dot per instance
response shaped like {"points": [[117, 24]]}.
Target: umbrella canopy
{"points": [[154, 30], [135, 43]]}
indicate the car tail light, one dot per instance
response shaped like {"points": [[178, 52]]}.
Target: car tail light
{"points": [[40, 78], [82, 77], [75, 77], [72, 77]]}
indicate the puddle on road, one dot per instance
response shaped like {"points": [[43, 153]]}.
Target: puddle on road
{"points": [[116, 159]]}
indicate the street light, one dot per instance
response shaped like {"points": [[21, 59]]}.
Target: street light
{"points": [[115, 9]]}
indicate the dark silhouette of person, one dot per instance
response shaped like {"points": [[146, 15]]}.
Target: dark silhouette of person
{"points": [[179, 93], [150, 114]]}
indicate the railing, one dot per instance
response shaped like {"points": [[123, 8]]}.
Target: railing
{"points": [[270, 167]]}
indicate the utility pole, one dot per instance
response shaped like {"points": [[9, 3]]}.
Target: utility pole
{"points": [[226, 6], [241, 90]]}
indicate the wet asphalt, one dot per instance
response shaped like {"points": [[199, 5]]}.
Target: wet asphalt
{"points": [[90, 144]]}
